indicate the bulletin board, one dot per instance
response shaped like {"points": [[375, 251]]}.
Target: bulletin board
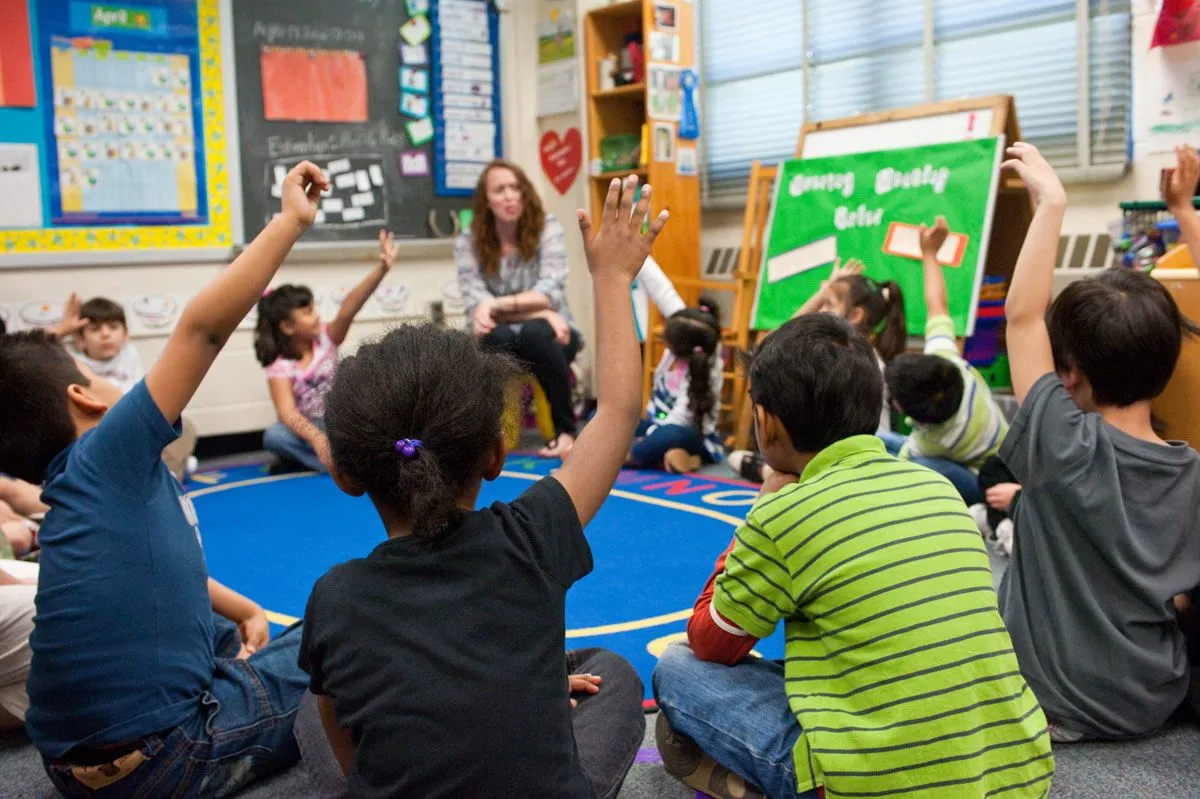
{"points": [[869, 206], [397, 100], [111, 128]]}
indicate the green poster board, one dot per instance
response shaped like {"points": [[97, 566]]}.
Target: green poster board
{"points": [[867, 206]]}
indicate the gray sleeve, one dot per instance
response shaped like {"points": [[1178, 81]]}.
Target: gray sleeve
{"points": [[553, 266], [470, 277], [1051, 438]]}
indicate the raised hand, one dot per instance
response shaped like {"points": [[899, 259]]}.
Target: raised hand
{"points": [[387, 249], [619, 246], [72, 322], [852, 267], [1178, 184], [1040, 178], [932, 238], [302, 192]]}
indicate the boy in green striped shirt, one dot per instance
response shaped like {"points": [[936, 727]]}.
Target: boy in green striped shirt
{"points": [[956, 422], [899, 677]]}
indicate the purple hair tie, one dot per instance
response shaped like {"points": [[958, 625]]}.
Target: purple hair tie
{"points": [[408, 447]]}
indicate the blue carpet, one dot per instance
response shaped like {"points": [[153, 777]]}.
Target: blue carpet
{"points": [[654, 544]]}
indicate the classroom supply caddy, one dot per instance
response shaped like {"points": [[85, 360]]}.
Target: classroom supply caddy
{"points": [[1145, 233]]}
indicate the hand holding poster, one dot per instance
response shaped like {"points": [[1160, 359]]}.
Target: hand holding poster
{"points": [[870, 206]]}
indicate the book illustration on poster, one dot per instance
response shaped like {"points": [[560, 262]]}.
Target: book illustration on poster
{"points": [[358, 196], [466, 106], [305, 85]]}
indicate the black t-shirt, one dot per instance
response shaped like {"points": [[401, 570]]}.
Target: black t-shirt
{"points": [[446, 659]]}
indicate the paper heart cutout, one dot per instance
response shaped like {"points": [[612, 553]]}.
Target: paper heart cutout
{"points": [[562, 157]]}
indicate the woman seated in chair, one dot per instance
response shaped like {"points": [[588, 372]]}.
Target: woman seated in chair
{"points": [[512, 269]]}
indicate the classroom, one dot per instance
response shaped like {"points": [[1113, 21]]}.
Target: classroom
{"points": [[809, 385]]}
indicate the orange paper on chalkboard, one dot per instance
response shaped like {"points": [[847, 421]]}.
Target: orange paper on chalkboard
{"points": [[16, 56], [302, 85]]}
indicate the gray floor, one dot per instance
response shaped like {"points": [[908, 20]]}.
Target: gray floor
{"points": [[1166, 766]]}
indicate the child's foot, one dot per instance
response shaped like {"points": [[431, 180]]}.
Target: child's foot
{"points": [[979, 512], [560, 447], [1004, 537], [749, 465], [685, 761], [680, 461]]}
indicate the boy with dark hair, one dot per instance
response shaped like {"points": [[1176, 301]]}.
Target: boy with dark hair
{"points": [[956, 424], [899, 675], [136, 687], [1105, 532], [103, 341]]}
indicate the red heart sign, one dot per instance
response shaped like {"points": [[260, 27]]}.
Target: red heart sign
{"points": [[562, 157]]}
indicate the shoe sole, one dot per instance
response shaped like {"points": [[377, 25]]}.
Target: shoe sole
{"points": [[686, 762]]}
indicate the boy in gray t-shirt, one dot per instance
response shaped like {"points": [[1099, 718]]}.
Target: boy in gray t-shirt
{"points": [[1106, 531]]}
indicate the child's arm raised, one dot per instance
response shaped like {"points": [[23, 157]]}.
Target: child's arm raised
{"points": [[1032, 283], [359, 295], [614, 256], [213, 314], [932, 239], [1178, 188], [820, 302]]}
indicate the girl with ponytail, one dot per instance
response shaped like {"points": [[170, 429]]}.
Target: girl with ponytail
{"points": [[679, 432], [875, 308]]}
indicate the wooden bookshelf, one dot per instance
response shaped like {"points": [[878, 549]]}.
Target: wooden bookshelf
{"points": [[623, 111]]}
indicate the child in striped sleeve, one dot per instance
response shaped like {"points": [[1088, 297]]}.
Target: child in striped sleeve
{"points": [[899, 677], [956, 423]]}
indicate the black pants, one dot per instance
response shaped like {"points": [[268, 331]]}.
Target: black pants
{"points": [[993, 472], [549, 361], [608, 726]]}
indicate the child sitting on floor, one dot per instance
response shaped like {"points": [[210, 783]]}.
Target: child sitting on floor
{"points": [[438, 661], [133, 686], [956, 424], [875, 309], [679, 431], [899, 675], [97, 334], [1105, 532], [300, 356]]}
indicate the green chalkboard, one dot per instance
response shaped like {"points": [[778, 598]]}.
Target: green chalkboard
{"points": [[867, 206]]}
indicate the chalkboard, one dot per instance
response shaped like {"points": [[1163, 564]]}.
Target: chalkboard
{"points": [[379, 152]]}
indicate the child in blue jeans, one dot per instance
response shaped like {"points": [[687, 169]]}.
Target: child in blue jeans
{"points": [[148, 678], [679, 431]]}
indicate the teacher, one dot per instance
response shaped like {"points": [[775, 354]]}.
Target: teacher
{"points": [[512, 270]]}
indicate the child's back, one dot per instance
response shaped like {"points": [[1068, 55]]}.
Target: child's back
{"points": [[1105, 532]]}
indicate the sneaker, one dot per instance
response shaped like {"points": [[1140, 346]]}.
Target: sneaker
{"points": [[979, 512], [1004, 537], [686, 762], [749, 465]]}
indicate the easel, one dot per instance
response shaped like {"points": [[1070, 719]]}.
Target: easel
{"points": [[933, 123]]}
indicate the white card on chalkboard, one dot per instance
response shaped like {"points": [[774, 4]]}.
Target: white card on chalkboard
{"points": [[346, 180], [364, 180], [376, 174], [413, 55], [280, 174], [414, 105], [363, 200], [333, 205], [354, 215], [320, 220], [277, 191], [416, 30], [338, 166]]}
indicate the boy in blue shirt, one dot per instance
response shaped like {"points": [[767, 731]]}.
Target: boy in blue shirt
{"points": [[136, 687]]}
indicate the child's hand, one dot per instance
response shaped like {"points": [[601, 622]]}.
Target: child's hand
{"points": [[619, 246], [932, 238], [1178, 184], [302, 192], [853, 267], [255, 632], [71, 322], [583, 684], [1041, 179], [387, 249], [1000, 496], [777, 480]]}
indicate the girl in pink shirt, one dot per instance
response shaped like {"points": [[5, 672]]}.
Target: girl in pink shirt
{"points": [[300, 355]]}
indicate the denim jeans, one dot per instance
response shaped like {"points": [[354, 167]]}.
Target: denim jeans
{"points": [[279, 439], [739, 716], [240, 731], [609, 728], [648, 453], [965, 481]]}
